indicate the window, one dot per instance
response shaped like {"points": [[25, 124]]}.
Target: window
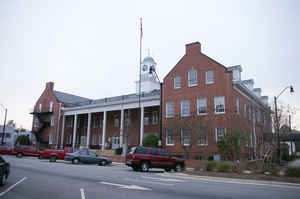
{"points": [[51, 106], [192, 77], [69, 122], [164, 153], [237, 104], [177, 82], [201, 106], [94, 140], [36, 122], [170, 137], [185, 137], [249, 109], [154, 152], [219, 105], [220, 132], [96, 122], [141, 150], [185, 108], [202, 138], [169, 109], [127, 118], [69, 139], [146, 118], [52, 120], [40, 107], [258, 116], [50, 138], [245, 110], [209, 75], [116, 122], [154, 117], [100, 139]]}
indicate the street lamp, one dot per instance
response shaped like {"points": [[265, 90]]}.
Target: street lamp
{"points": [[152, 69], [277, 122], [3, 133]]}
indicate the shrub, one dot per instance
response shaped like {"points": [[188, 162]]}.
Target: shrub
{"points": [[225, 166], [118, 151], [210, 158], [211, 166], [23, 140], [293, 172], [150, 140], [197, 168]]}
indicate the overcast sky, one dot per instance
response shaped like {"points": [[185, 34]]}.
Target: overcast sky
{"points": [[91, 48]]}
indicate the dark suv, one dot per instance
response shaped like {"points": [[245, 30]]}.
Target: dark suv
{"points": [[143, 158]]}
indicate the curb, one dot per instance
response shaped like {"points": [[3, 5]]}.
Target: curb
{"points": [[233, 180]]}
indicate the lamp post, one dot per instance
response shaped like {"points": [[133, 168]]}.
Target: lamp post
{"points": [[3, 132], [152, 69], [277, 122]]}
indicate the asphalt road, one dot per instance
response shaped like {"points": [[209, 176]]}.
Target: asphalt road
{"points": [[32, 178]]}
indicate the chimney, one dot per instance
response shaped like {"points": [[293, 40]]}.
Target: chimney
{"points": [[193, 48], [49, 85]]}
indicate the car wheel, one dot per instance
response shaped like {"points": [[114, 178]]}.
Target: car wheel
{"points": [[103, 162], [19, 155], [178, 168], [145, 166], [75, 161], [40, 157], [52, 159], [167, 169], [3, 179]]}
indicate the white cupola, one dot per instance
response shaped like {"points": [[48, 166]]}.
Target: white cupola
{"points": [[149, 81]]}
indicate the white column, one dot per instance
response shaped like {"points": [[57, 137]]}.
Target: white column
{"points": [[88, 130], [74, 130], [103, 130], [121, 127], [142, 126], [62, 132]]}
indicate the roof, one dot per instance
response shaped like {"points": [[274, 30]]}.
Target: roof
{"points": [[71, 99]]}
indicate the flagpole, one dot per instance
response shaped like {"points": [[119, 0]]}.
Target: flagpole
{"points": [[140, 111]]}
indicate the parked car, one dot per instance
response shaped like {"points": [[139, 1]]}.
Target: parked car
{"points": [[4, 171], [5, 149], [53, 155], [87, 156], [144, 158], [25, 150]]}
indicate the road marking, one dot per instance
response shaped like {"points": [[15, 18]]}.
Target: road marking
{"points": [[127, 186], [163, 179], [151, 182], [82, 193], [12, 186]]}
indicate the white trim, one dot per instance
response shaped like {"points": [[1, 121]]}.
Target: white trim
{"points": [[168, 144], [174, 79], [216, 132]]}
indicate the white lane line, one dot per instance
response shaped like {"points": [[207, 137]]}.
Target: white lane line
{"points": [[151, 182], [122, 186], [163, 179], [82, 193], [12, 186]]}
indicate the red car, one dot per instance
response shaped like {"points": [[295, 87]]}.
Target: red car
{"points": [[25, 151], [5, 149], [53, 155], [143, 158]]}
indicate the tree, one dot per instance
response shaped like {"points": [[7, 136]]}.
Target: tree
{"points": [[150, 140], [23, 140], [11, 123]]}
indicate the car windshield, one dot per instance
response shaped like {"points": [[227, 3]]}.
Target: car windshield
{"points": [[132, 150]]}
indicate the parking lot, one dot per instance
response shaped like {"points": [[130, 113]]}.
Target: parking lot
{"points": [[33, 178]]}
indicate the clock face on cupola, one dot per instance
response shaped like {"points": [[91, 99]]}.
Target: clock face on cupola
{"points": [[148, 62]]}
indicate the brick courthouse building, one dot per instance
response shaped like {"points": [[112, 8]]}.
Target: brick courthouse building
{"points": [[202, 101]]}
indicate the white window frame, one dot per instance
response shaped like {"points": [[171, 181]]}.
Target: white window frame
{"points": [[200, 135], [146, 118], [216, 133], [100, 140], [245, 111], [200, 103], [170, 141], [40, 107], [52, 120], [183, 137], [218, 99], [69, 139], [50, 106], [170, 109], [116, 122], [192, 82], [209, 77], [177, 82], [93, 140], [185, 108], [237, 105]]}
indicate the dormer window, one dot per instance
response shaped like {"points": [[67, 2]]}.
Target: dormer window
{"points": [[192, 78]]}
